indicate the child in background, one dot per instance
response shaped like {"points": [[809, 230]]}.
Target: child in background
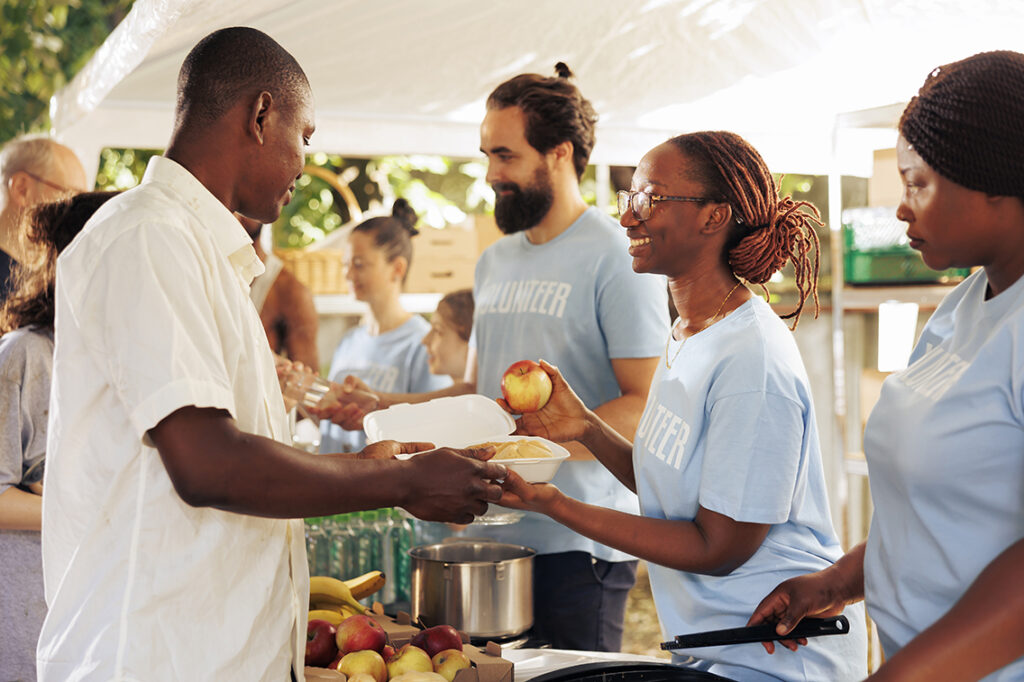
{"points": [[447, 342]]}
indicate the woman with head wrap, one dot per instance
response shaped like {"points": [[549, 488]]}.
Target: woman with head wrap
{"points": [[942, 565], [725, 461]]}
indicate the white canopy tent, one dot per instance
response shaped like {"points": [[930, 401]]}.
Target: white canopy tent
{"points": [[815, 85], [406, 76]]}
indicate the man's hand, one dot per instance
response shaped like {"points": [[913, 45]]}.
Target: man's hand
{"points": [[563, 418], [388, 449], [453, 485]]}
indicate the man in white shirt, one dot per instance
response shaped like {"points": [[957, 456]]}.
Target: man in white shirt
{"points": [[168, 553]]}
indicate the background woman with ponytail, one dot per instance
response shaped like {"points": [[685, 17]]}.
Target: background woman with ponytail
{"points": [[385, 351], [726, 460]]}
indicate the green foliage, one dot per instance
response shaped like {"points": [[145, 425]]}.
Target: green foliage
{"points": [[43, 44], [441, 190], [122, 169]]}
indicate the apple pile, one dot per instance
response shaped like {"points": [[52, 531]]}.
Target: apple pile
{"points": [[359, 647], [525, 386]]}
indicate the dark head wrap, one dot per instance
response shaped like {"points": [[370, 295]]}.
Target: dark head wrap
{"points": [[967, 122]]}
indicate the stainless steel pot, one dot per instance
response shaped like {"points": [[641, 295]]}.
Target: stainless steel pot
{"points": [[483, 588]]}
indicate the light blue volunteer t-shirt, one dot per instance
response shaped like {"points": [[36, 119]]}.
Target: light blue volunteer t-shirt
{"points": [[730, 427], [575, 302], [392, 362], [945, 452]]}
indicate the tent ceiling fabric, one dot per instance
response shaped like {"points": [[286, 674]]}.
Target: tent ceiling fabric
{"points": [[406, 76]]}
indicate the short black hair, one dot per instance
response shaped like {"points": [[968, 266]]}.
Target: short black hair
{"points": [[235, 64], [555, 112]]}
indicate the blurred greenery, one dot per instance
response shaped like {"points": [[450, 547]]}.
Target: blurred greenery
{"points": [[43, 44]]}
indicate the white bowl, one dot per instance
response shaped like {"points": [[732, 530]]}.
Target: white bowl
{"points": [[458, 422]]}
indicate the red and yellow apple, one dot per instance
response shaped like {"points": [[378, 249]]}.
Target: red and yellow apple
{"points": [[409, 658], [365, 661], [321, 646], [525, 386], [436, 639], [449, 662], [360, 632]]}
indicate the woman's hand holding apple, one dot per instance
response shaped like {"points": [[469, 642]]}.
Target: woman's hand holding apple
{"points": [[563, 418]]}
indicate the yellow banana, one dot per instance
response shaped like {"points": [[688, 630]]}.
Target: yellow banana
{"points": [[332, 617], [325, 606], [327, 590], [366, 584]]}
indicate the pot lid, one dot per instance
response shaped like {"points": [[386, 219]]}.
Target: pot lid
{"points": [[455, 421]]}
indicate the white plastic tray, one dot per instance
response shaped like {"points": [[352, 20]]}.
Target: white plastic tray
{"points": [[457, 422]]}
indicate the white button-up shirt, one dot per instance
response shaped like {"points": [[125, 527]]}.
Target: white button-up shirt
{"points": [[153, 314]]}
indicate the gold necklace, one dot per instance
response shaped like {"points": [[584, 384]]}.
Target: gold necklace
{"points": [[668, 365]]}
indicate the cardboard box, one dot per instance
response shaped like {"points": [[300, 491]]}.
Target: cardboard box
{"points": [[440, 275], [487, 231], [488, 665], [884, 186], [398, 629], [454, 241]]}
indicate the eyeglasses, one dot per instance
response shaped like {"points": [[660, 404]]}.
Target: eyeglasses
{"points": [[50, 184], [642, 203]]}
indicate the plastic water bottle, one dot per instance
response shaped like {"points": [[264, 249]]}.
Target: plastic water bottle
{"points": [[317, 545], [340, 546], [401, 543], [385, 542], [366, 542]]}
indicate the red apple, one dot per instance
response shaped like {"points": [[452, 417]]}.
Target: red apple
{"points": [[525, 386], [321, 647], [360, 632], [408, 659], [388, 652], [365, 661], [436, 639], [449, 662]]}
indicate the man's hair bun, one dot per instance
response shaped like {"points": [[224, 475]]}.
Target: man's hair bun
{"points": [[563, 70]]}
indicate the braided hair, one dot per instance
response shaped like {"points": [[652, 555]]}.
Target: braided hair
{"points": [[768, 230], [965, 122], [393, 234]]}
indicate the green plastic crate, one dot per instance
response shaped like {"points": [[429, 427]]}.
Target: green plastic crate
{"points": [[875, 251]]}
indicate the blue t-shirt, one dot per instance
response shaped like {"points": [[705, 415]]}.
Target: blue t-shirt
{"points": [[731, 428], [945, 452], [392, 362], [575, 302]]}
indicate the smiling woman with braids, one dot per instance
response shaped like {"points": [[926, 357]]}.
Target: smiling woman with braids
{"points": [[726, 460]]}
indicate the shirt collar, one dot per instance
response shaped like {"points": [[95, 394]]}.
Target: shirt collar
{"points": [[228, 234]]}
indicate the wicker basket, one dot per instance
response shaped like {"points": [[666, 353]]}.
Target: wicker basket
{"points": [[321, 270]]}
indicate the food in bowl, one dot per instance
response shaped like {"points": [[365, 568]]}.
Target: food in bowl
{"points": [[518, 449]]}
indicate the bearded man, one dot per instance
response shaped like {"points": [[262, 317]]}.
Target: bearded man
{"points": [[559, 286]]}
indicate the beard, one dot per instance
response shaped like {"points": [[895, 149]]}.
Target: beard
{"points": [[526, 206]]}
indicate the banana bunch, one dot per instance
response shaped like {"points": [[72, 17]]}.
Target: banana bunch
{"points": [[335, 600]]}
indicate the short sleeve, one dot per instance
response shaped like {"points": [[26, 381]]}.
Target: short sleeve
{"points": [[757, 441], [633, 314], [11, 456], [147, 315], [24, 408]]}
